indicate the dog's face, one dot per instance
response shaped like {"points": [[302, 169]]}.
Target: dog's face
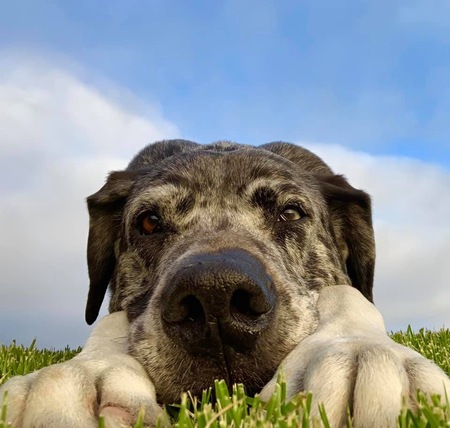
{"points": [[217, 254]]}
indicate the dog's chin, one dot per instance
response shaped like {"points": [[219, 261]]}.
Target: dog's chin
{"points": [[204, 371]]}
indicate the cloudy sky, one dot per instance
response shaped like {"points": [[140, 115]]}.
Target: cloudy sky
{"points": [[84, 85]]}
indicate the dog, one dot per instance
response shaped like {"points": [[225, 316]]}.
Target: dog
{"points": [[227, 261]]}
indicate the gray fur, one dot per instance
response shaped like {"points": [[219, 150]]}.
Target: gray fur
{"points": [[211, 198]]}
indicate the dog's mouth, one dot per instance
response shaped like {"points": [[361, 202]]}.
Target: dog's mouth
{"points": [[244, 369], [203, 370]]}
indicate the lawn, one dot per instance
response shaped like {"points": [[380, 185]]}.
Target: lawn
{"points": [[237, 409]]}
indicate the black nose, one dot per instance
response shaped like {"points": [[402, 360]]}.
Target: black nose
{"points": [[223, 298]]}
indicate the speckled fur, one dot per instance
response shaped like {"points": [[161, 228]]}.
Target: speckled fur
{"points": [[208, 200]]}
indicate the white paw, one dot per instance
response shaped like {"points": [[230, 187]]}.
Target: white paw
{"points": [[101, 380], [350, 361]]}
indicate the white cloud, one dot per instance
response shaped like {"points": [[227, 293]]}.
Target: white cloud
{"points": [[411, 206], [48, 109], [59, 137]]}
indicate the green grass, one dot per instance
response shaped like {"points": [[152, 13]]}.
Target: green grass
{"points": [[20, 360], [238, 410]]}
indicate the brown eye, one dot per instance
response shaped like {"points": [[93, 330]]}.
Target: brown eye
{"points": [[147, 223], [291, 213]]}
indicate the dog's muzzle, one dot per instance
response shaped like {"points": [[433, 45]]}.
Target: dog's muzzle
{"points": [[217, 300]]}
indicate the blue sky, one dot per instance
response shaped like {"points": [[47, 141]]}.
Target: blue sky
{"points": [[368, 74], [84, 85]]}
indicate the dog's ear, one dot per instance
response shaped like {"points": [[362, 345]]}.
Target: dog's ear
{"points": [[105, 213], [105, 217], [351, 218]]}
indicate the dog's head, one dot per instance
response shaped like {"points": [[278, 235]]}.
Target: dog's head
{"points": [[217, 254]]}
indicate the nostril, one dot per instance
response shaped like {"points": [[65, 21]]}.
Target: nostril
{"points": [[240, 303], [184, 310], [243, 303], [192, 309]]}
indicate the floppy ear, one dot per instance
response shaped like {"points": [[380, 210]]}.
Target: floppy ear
{"points": [[105, 212], [105, 216], [351, 217]]}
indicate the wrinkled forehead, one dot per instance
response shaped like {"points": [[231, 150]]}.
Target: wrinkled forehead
{"points": [[224, 175]]}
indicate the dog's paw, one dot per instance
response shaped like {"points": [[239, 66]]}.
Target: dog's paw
{"points": [[351, 363], [101, 380]]}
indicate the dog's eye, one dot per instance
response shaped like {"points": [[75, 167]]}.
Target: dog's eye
{"points": [[148, 222], [291, 213]]}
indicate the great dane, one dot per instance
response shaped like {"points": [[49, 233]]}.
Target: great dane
{"points": [[232, 262]]}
